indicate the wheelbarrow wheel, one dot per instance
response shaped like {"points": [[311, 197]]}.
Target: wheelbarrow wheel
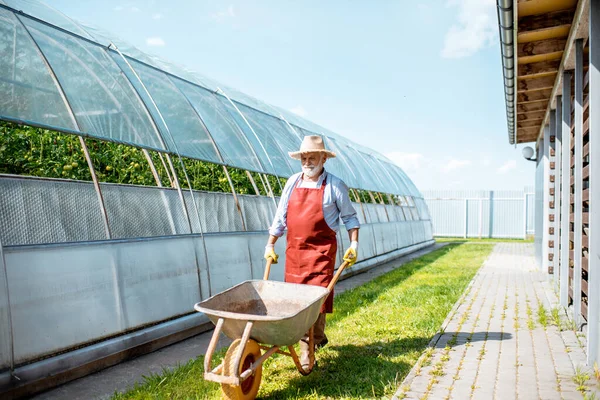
{"points": [[249, 388]]}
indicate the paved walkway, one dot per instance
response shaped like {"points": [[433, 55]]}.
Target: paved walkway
{"points": [[494, 344]]}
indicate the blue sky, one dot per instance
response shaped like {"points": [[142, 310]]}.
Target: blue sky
{"points": [[420, 82]]}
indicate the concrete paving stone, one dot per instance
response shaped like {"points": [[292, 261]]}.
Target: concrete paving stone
{"points": [[549, 394], [439, 392], [411, 396], [420, 383], [445, 380], [461, 391], [479, 394]]}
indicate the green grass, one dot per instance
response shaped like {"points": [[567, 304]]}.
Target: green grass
{"points": [[376, 334], [440, 239], [542, 316]]}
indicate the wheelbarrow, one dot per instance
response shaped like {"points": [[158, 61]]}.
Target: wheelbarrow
{"points": [[260, 315]]}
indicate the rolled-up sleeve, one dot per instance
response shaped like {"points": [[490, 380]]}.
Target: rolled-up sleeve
{"points": [[280, 221], [347, 211]]}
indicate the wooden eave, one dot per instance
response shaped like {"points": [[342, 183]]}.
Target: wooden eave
{"points": [[542, 34]]}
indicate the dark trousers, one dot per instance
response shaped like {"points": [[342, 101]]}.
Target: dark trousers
{"points": [[319, 337]]}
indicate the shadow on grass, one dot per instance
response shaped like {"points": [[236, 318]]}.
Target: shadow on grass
{"points": [[371, 290], [364, 371]]}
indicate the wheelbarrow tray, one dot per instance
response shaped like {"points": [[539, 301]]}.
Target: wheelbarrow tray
{"points": [[281, 312]]}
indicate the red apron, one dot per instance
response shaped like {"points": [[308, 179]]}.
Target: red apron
{"points": [[311, 243]]}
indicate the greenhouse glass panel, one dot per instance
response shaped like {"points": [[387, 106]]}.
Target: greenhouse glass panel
{"points": [[249, 101], [265, 142], [352, 174], [364, 177], [231, 142], [27, 90], [41, 11], [296, 120], [398, 174], [278, 130], [105, 38], [186, 135], [408, 182], [103, 101], [396, 185], [380, 178]]}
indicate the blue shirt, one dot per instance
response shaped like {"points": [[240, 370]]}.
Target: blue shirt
{"points": [[336, 204]]}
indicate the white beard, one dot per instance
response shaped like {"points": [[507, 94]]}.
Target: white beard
{"points": [[313, 171]]}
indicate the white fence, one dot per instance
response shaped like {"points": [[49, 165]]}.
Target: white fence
{"points": [[482, 213]]}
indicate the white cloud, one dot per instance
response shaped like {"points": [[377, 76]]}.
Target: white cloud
{"points": [[455, 164], [475, 29], [126, 7], [155, 41], [157, 16], [299, 110], [223, 14], [409, 162], [510, 164]]}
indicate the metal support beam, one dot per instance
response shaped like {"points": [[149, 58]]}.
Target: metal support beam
{"points": [[174, 179], [253, 183], [219, 154], [362, 209], [90, 165], [235, 198], [578, 180], [76, 125], [266, 189], [164, 164], [594, 166], [8, 311], [565, 203], [152, 168], [219, 90], [557, 189]]}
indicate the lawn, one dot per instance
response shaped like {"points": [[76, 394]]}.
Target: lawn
{"points": [[376, 335], [441, 239]]}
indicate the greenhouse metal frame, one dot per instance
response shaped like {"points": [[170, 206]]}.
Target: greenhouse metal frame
{"points": [[93, 269]]}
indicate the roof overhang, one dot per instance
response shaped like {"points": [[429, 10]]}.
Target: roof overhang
{"points": [[537, 45]]}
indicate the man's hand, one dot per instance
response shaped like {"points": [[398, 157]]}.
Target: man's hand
{"points": [[351, 254], [270, 253]]}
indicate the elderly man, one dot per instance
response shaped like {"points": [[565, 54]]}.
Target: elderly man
{"points": [[311, 205]]}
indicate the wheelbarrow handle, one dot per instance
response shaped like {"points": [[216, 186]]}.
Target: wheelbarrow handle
{"points": [[329, 287], [337, 276], [268, 268]]}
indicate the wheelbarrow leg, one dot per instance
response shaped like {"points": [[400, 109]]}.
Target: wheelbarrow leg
{"points": [[311, 354], [212, 346]]}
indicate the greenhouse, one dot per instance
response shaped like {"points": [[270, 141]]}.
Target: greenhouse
{"points": [[123, 176]]}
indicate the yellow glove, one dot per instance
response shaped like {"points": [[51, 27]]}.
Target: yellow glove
{"points": [[270, 253], [351, 254]]}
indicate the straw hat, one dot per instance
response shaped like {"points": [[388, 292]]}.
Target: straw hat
{"points": [[311, 144]]}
